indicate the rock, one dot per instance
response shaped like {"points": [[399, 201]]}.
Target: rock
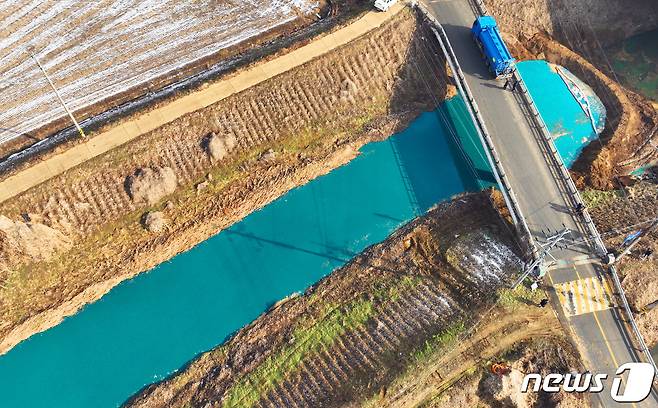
{"points": [[202, 186], [219, 147], [268, 155], [169, 205], [154, 221], [149, 184], [82, 206], [348, 90]]}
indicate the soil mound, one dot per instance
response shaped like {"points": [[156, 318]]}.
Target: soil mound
{"points": [[641, 284], [483, 257], [29, 241], [155, 221], [150, 184], [219, 147]]}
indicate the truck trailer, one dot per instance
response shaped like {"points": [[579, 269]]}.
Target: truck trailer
{"points": [[497, 56]]}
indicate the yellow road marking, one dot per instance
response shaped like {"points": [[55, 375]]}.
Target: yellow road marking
{"points": [[598, 324], [582, 296], [588, 296], [576, 289]]}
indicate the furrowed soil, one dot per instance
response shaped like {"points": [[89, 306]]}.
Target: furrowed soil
{"points": [[308, 120], [103, 53], [358, 329]]}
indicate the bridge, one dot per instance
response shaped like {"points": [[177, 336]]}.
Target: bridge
{"points": [[542, 199]]}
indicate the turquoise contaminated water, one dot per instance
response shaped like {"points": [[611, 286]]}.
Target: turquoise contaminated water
{"points": [[566, 120], [150, 326]]}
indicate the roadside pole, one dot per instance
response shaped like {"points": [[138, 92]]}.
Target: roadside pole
{"points": [[61, 100]]}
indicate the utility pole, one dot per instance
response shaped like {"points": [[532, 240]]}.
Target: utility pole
{"points": [[551, 242], [66, 108], [635, 240]]}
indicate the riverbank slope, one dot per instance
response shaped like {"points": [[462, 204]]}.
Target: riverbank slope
{"points": [[347, 338], [204, 171]]}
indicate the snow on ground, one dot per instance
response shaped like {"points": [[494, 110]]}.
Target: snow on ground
{"points": [[95, 49], [486, 259]]}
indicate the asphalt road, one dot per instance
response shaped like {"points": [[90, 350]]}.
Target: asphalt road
{"points": [[595, 322]]}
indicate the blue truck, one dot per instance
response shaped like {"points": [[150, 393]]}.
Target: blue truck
{"points": [[497, 56]]}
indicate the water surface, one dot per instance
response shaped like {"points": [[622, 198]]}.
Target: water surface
{"points": [[571, 128], [635, 61], [149, 326]]}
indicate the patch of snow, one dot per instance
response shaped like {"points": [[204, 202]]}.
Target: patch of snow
{"points": [[489, 260]]}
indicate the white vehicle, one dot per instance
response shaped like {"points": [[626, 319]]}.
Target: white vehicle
{"points": [[384, 5]]}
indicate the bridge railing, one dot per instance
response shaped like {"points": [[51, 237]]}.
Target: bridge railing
{"points": [[483, 133], [577, 199]]}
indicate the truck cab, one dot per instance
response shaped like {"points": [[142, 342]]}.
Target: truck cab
{"points": [[384, 5], [497, 56]]}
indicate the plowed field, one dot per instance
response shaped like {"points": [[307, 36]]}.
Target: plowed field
{"points": [[97, 49]]}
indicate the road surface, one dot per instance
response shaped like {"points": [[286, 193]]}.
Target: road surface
{"points": [[581, 288]]}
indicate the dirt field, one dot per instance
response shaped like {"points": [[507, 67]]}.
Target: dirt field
{"points": [[363, 325], [313, 118], [619, 213], [535, 350], [120, 49]]}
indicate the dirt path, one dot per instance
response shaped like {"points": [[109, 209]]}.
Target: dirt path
{"points": [[500, 331], [214, 93]]}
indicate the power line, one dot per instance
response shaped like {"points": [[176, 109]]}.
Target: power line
{"points": [[445, 119]]}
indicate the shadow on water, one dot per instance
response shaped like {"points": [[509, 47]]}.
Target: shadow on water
{"points": [[449, 131], [157, 321], [456, 153]]}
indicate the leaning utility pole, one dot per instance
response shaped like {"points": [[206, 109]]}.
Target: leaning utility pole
{"points": [[546, 248], [66, 108], [635, 240]]}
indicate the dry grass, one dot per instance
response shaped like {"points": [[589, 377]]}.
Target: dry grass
{"points": [[305, 115]]}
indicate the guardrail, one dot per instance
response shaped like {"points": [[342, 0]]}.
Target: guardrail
{"points": [[566, 176], [482, 9], [577, 199], [483, 134]]}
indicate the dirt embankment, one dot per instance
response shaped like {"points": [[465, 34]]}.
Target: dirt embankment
{"points": [[287, 131], [540, 351], [582, 25], [360, 327], [571, 34], [618, 214]]}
